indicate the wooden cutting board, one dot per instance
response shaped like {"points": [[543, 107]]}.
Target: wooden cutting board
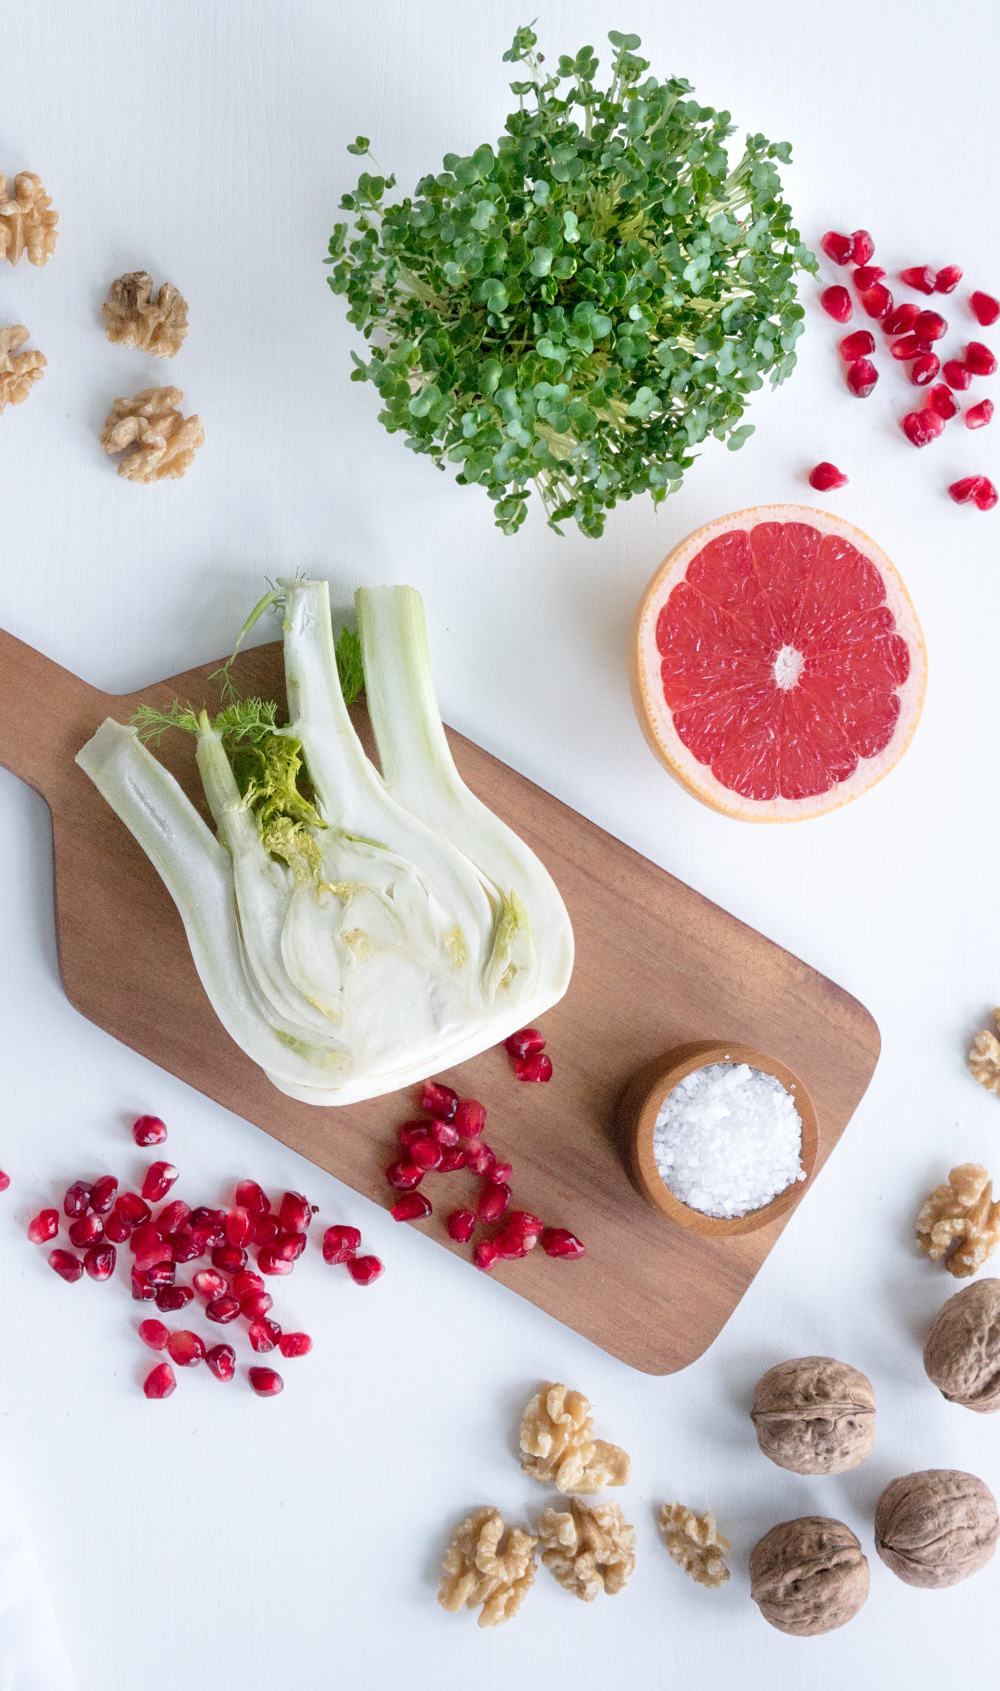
{"points": [[657, 966]]}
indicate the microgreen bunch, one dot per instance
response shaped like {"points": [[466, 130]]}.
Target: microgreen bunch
{"points": [[575, 308]]}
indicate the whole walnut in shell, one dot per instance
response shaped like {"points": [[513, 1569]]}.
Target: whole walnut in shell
{"points": [[936, 1527], [809, 1575], [814, 1415], [962, 1353]]}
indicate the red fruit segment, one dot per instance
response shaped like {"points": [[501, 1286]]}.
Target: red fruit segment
{"points": [[239, 1225], [559, 1242], [529, 1041], [979, 359], [295, 1344], [500, 1173], [161, 1274], [947, 279], [77, 1199], [862, 246], [470, 1115], [208, 1283], [520, 1234], [461, 1225], [266, 1382], [877, 301], [149, 1248], [985, 308], [172, 1298], [537, 1068], [160, 1382], [265, 1229], [486, 1254], [263, 1335], [943, 401], [221, 1360], [412, 1206], [185, 1348], [270, 1261], [154, 1334], [173, 1217], [86, 1230], [858, 345], [100, 1261], [231, 1258], [836, 302], [825, 476], [159, 1179], [404, 1175], [142, 1291], [920, 277], [437, 1100], [255, 1305], [363, 1270], [921, 427], [985, 495], [185, 1247], [908, 346], [4, 1180], [294, 1213], [149, 1130], [838, 248], [66, 1265], [223, 1309], [250, 1196], [479, 1159], [866, 276], [132, 1209], [901, 319], [957, 374], [976, 489], [976, 417], [929, 325], [43, 1227], [340, 1244], [102, 1194], [452, 1159], [493, 1202], [925, 369], [861, 377], [426, 1153]]}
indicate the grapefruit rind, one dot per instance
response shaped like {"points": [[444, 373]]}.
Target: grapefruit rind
{"points": [[656, 718]]}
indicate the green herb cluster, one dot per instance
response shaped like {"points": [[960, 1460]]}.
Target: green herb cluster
{"points": [[576, 308]]}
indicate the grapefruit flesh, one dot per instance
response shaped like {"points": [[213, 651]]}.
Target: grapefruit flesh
{"points": [[779, 664]]}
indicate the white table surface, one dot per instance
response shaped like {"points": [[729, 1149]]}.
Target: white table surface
{"points": [[220, 1540]]}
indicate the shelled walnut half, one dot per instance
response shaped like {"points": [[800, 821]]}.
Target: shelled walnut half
{"points": [[984, 1056], [695, 1543], [558, 1447], [133, 318], [27, 220], [959, 1224], [157, 441], [483, 1569], [588, 1548], [19, 371]]}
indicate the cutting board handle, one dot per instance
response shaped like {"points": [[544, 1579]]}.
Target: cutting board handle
{"points": [[41, 708]]}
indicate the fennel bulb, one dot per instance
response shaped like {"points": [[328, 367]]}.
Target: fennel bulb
{"points": [[355, 930]]}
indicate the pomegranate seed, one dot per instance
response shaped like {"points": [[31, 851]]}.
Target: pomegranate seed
{"points": [[294, 1213], [838, 248], [404, 1176], [250, 1196], [154, 1334], [44, 1227], [877, 301], [493, 1202], [947, 280], [208, 1218], [979, 359], [4, 1180], [142, 1291], [160, 1382], [858, 345], [438, 1101], [479, 1159], [340, 1244], [77, 1199], [921, 427], [985, 495], [116, 1230], [412, 1130], [976, 417], [558, 1242], [244, 1282], [929, 325], [519, 1235], [265, 1229], [174, 1297], [269, 1262], [500, 1173], [461, 1224], [426, 1153], [295, 1344], [957, 375], [266, 1382], [902, 319], [943, 401], [230, 1258], [132, 1209], [485, 1254], [539, 1067], [66, 1265], [149, 1130], [909, 346], [921, 277], [363, 1270], [412, 1206], [826, 476], [149, 1248], [161, 1275], [103, 1193], [836, 302], [159, 1179], [185, 1348], [985, 308], [255, 1305], [866, 276], [470, 1116], [221, 1360], [451, 1159], [173, 1217], [445, 1132], [263, 1335], [863, 246], [208, 1283], [185, 1247], [925, 369], [100, 1261], [223, 1309], [527, 1043], [289, 1245]]}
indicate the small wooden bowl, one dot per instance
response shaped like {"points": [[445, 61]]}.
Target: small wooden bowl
{"points": [[640, 1107]]}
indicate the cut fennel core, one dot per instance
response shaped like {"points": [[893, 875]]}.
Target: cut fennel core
{"points": [[354, 930]]}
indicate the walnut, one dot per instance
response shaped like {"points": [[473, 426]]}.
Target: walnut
{"points": [[557, 1447], [27, 221], [588, 1547], [936, 1527], [984, 1057], [960, 1224], [695, 1543], [808, 1576], [164, 441], [481, 1567], [814, 1415], [962, 1353], [133, 318], [19, 371]]}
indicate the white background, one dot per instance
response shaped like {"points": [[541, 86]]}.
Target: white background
{"points": [[219, 1540]]}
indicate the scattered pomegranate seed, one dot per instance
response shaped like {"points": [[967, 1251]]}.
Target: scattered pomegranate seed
{"points": [[149, 1130], [836, 302], [470, 1116], [877, 301], [985, 308], [246, 1281], [479, 1159], [858, 345], [208, 1283], [270, 1262], [184, 1245], [500, 1173], [426, 1153], [943, 401], [485, 1254], [221, 1360], [266, 1382], [4, 1181], [66, 1265], [925, 369], [295, 1213], [957, 374], [103, 1193], [363, 1270], [405, 1176], [43, 1227], [265, 1229], [461, 1224], [250, 1196], [519, 1235], [558, 1242], [290, 1246], [979, 359], [239, 1223], [160, 1382], [295, 1344], [77, 1199], [527, 1043], [978, 489], [838, 248], [225, 1308], [929, 325], [411, 1130], [173, 1217], [86, 1230], [142, 1291], [863, 246], [340, 1244], [866, 276], [437, 1100], [161, 1275], [132, 1209], [100, 1261], [255, 1305], [149, 1248], [154, 1334], [412, 1206], [921, 427], [444, 1132], [171, 1298], [493, 1202], [116, 1229], [451, 1159], [902, 319], [976, 417], [539, 1067], [262, 1338], [159, 1179], [947, 279], [231, 1258], [213, 1221], [921, 277], [909, 346], [185, 1348], [826, 476]]}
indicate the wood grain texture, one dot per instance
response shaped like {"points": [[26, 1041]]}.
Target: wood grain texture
{"points": [[657, 966]]}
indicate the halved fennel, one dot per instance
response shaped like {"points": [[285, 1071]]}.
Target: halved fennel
{"points": [[355, 931]]}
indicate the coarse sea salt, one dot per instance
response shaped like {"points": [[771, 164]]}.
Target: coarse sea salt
{"points": [[728, 1139]]}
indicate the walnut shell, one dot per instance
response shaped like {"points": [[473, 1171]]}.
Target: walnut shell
{"points": [[962, 1353], [808, 1576], [814, 1415], [936, 1527]]}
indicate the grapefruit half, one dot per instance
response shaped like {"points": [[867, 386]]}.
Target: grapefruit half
{"points": [[779, 668]]}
